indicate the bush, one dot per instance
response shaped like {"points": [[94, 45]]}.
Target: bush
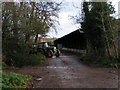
{"points": [[14, 80], [95, 61], [20, 60], [18, 55], [87, 58], [35, 59]]}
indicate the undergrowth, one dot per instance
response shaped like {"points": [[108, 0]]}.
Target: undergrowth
{"points": [[19, 60], [95, 61]]}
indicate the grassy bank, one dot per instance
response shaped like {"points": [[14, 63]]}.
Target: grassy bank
{"points": [[15, 80]]}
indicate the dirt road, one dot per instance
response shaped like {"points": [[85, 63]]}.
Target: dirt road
{"points": [[67, 72]]}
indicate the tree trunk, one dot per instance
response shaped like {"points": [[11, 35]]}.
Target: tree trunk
{"points": [[36, 37], [106, 39], [27, 37]]}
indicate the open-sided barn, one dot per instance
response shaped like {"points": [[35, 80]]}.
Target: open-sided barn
{"points": [[74, 40]]}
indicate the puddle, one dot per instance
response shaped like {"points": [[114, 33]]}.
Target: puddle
{"points": [[70, 77], [54, 57], [54, 67]]}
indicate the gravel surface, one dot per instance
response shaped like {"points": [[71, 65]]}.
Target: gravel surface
{"points": [[67, 72]]}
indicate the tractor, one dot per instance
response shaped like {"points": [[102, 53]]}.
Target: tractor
{"points": [[47, 50]]}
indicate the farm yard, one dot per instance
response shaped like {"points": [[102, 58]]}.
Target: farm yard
{"points": [[60, 45]]}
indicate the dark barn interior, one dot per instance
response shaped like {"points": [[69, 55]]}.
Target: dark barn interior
{"points": [[74, 40]]}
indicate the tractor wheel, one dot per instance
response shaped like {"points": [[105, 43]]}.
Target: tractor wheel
{"points": [[50, 53], [58, 53]]}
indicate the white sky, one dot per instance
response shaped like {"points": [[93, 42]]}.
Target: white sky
{"points": [[66, 24]]}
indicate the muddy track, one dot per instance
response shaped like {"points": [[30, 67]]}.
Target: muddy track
{"points": [[67, 72]]}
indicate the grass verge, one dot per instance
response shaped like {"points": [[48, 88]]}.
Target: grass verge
{"points": [[15, 80]]}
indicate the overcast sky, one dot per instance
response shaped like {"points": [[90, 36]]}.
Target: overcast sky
{"points": [[66, 24]]}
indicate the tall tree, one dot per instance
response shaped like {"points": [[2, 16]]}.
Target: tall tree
{"points": [[23, 21], [97, 26]]}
